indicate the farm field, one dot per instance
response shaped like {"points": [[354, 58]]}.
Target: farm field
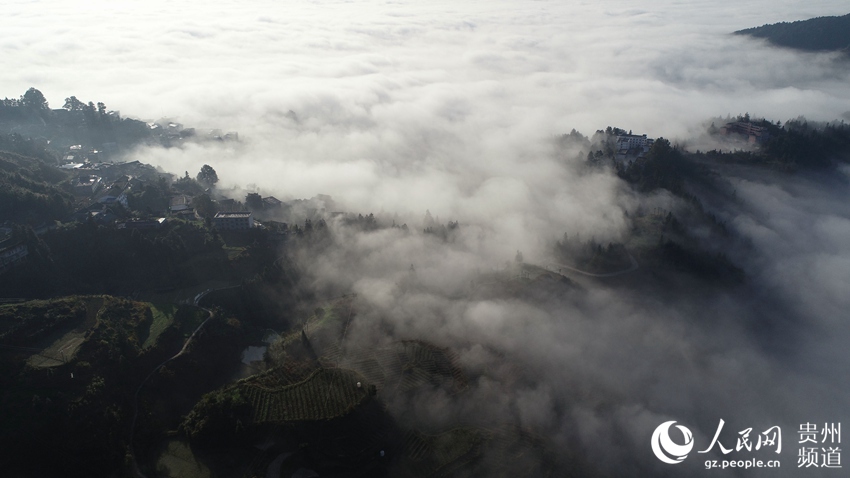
{"points": [[408, 365], [59, 352], [474, 451], [55, 329], [325, 394]]}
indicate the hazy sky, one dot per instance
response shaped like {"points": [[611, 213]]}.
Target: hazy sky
{"points": [[648, 66]]}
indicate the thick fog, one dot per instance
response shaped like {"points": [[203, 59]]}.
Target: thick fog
{"points": [[397, 101], [403, 107], [600, 363]]}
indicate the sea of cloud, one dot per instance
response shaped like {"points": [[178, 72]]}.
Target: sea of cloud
{"points": [[449, 106], [409, 103]]}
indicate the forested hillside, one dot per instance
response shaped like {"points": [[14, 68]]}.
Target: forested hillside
{"points": [[816, 34]]}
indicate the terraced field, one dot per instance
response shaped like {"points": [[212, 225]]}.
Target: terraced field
{"points": [[400, 367], [501, 452], [325, 328], [408, 365], [324, 394], [441, 454]]}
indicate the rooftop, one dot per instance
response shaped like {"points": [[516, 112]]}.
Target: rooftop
{"points": [[233, 214]]}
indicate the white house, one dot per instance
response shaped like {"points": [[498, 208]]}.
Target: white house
{"points": [[234, 220]]}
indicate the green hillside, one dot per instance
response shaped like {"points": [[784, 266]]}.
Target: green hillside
{"points": [[29, 191]]}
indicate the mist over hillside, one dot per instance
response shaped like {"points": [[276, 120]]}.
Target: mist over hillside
{"points": [[453, 228]]}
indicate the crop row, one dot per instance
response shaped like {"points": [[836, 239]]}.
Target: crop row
{"points": [[327, 393]]}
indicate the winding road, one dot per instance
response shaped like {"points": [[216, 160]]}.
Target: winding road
{"points": [[136, 470]]}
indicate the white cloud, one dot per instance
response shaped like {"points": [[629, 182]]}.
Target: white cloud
{"points": [[446, 105]]}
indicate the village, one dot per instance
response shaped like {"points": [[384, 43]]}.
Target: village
{"points": [[137, 196]]}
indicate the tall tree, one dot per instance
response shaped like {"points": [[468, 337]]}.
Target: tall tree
{"points": [[34, 99], [254, 201], [207, 175], [73, 104], [204, 206]]}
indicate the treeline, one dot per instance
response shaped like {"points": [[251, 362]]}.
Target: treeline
{"points": [[26, 323], [678, 249], [443, 231], [664, 166], [87, 258], [809, 146], [29, 147], [28, 190], [711, 267], [591, 255], [798, 145], [77, 122]]}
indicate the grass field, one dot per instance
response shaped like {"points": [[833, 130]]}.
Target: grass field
{"points": [[163, 316], [233, 252]]}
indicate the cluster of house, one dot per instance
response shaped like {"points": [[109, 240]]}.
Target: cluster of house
{"points": [[101, 184], [104, 192], [180, 206], [77, 157], [754, 134], [174, 131], [106, 182], [237, 220], [632, 146], [224, 221]]}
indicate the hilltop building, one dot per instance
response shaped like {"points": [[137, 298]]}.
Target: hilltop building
{"points": [[754, 134], [632, 146], [634, 141]]}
